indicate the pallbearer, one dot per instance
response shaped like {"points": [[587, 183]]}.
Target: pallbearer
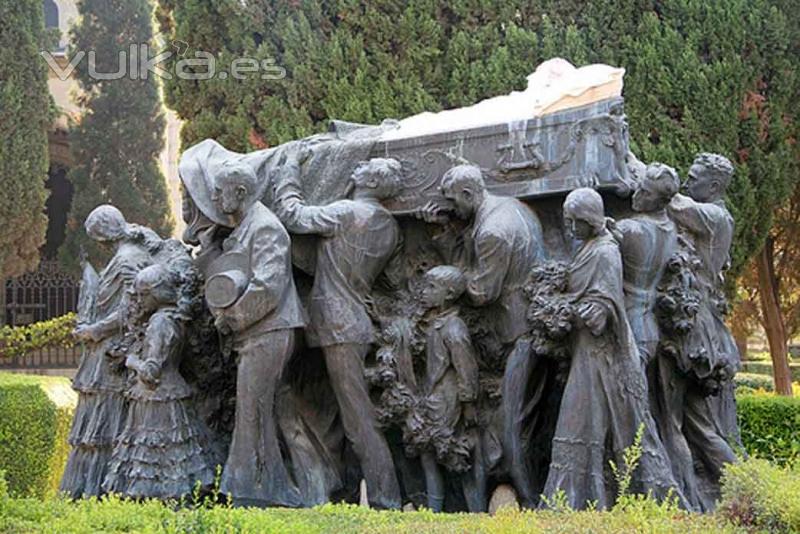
{"points": [[358, 240]]}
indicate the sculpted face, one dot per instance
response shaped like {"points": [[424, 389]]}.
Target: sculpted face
{"points": [[229, 194], [701, 184], [433, 294], [188, 209], [646, 198], [580, 229], [463, 199], [146, 300]]}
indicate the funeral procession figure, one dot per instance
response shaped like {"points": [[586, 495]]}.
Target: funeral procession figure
{"points": [[101, 380], [505, 243], [358, 239], [164, 449], [422, 312], [649, 242], [253, 298], [708, 354], [450, 392], [605, 399]]}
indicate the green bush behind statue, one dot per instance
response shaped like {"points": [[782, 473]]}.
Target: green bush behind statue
{"points": [[770, 426], [36, 415]]}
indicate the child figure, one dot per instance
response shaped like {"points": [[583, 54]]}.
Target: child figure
{"points": [[450, 390], [164, 448]]}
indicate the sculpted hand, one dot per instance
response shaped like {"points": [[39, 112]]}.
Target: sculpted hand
{"points": [[432, 213], [593, 316], [86, 333], [222, 325]]}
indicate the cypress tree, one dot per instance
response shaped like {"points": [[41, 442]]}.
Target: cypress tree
{"points": [[25, 116], [119, 138]]}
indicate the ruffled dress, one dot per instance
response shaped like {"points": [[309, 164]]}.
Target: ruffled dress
{"points": [[164, 449], [100, 380]]}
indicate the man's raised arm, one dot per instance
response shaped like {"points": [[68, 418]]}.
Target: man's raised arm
{"points": [[295, 214]]}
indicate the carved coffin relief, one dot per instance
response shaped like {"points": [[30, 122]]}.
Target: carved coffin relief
{"points": [[542, 156]]}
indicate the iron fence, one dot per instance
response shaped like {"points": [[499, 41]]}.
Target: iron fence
{"points": [[45, 293], [54, 357]]}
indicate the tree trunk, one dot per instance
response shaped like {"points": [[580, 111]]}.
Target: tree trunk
{"points": [[773, 320], [740, 336]]}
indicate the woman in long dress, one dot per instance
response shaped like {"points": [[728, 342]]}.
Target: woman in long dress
{"points": [[605, 398], [100, 380], [164, 448]]}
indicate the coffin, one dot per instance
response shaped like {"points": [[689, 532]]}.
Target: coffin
{"points": [[586, 146]]}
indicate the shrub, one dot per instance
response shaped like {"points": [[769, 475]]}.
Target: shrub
{"points": [[757, 356], [765, 368], [20, 340], [747, 382], [770, 426], [37, 413], [761, 496]]}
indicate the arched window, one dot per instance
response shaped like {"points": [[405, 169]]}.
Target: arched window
{"points": [[50, 14]]}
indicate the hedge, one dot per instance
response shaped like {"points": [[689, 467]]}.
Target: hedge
{"points": [[765, 368], [36, 416], [756, 497], [20, 340], [770, 426], [748, 382], [761, 496]]}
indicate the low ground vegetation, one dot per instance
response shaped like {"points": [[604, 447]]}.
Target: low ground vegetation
{"points": [[765, 368], [757, 497]]}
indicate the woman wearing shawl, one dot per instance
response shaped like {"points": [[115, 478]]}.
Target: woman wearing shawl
{"points": [[100, 380], [605, 398]]}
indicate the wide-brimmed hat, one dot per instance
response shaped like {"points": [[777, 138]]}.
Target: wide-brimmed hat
{"points": [[201, 162]]}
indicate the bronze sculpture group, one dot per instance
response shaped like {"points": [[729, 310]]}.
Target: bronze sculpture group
{"points": [[434, 353]]}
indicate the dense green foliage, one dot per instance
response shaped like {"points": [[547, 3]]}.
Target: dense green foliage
{"points": [[770, 426], [761, 496], [718, 76], [25, 116], [765, 368], [21, 340], [118, 141], [36, 416], [748, 382]]}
